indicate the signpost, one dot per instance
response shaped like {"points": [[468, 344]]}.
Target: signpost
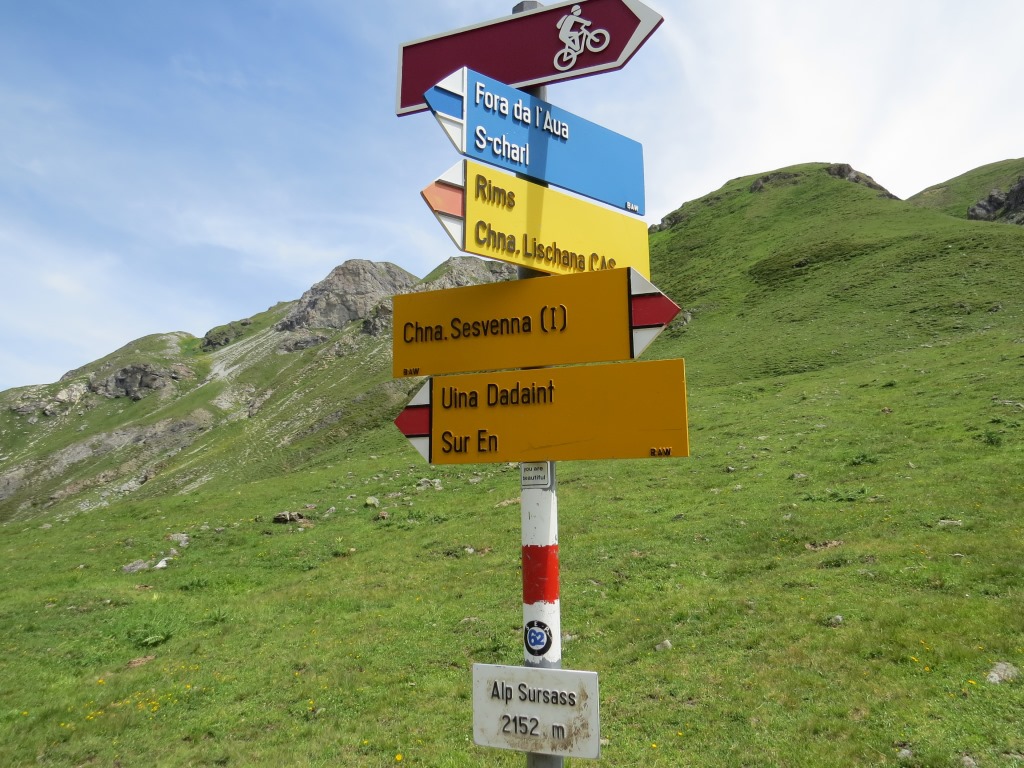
{"points": [[602, 308], [546, 711], [587, 318], [624, 411], [491, 213], [489, 121], [528, 48]]}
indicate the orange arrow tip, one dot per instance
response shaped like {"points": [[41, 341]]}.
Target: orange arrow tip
{"points": [[444, 198]]}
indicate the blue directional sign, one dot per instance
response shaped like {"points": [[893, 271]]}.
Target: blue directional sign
{"points": [[501, 125]]}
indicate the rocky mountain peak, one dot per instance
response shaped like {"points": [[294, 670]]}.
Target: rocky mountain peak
{"points": [[456, 272], [348, 293]]}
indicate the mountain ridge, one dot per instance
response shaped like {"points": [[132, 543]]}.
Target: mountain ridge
{"points": [[186, 387], [240, 372]]}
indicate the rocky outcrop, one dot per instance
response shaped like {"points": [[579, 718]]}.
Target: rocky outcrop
{"points": [[160, 346], [349, 293], [843, 171], [1014, 208], [774, 179], [296, 341], [362, 290], [467, 270], [71, 395], [667, 222], [380, 319], [13, 479], [223, 335], [987, 208], [30, 404], [1004, 206], [456, 272], [133, 381], [846, 172]]}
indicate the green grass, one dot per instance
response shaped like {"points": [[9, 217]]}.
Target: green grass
{"points": [[955, 196], [274, 646], [857, 445]]}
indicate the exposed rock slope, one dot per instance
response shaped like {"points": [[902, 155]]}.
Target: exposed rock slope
{"points": [[150, 413], [349, 293]]}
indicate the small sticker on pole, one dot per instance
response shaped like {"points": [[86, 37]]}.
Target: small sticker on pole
{"points": [[536, 474]]}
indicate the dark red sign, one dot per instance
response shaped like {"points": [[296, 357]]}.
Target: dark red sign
{"points": [[532, 48]]}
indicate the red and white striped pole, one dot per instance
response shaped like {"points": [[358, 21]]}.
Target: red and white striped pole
{"points": [[542, 636], [542, 618]]}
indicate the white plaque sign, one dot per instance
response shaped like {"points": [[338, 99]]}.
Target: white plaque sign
{"points": [[530, 709], [536, 474]]}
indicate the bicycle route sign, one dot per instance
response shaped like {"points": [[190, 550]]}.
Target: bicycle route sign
{"points": [[497, 124], [552, 43]]}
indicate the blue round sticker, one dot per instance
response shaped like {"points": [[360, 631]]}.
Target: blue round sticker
{"points": [[537, 638]]}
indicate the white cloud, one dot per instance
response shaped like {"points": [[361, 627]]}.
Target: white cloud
{"points": [[190, 67], [190, 166], [66, 306]]}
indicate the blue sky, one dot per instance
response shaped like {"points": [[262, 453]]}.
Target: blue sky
{"points": [[172, 166]]}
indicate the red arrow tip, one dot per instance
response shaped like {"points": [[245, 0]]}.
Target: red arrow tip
{"points": [[414, 421], [653, 309]]}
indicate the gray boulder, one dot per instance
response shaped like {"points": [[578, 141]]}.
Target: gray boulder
{"points": [[1006, 206], [134, 381]]}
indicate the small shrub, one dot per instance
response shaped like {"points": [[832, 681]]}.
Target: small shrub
{"points": [[218, 616], [861, 459], [147, 637], [196, 582], [990, 437]]}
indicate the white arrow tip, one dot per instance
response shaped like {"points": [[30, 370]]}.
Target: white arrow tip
{"points": [[455, 83], [640, 285], [455, 129], [422, 446], [422, 396], [455, 227], [642, 338], [456, 175]]}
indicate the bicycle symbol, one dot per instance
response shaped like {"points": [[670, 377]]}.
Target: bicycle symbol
{"points": [[575, 32]]}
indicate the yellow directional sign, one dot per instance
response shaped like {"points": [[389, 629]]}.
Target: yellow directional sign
{"points": [[618, 411], [491, 213], [586, 318]]}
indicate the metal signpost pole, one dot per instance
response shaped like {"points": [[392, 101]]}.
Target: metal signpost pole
{"points": [[542, 616], [542, 621]]}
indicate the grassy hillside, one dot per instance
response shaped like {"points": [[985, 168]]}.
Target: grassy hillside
{"points": [[252, 409], [837, 565], [955, 196]]}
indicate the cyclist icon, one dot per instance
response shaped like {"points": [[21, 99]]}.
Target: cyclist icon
{"points": [[574, 31]]}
